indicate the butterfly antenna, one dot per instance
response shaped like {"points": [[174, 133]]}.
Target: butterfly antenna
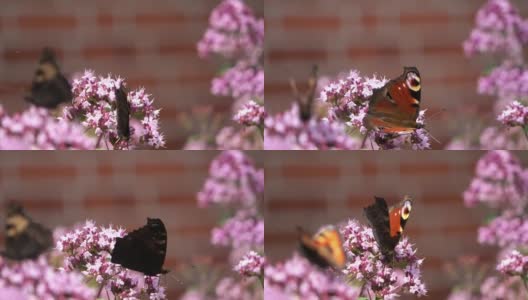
{"points": [[429, 134], [437, 113]]}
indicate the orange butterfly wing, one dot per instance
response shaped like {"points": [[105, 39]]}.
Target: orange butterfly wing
{"points": [[327, 244], [394, 220]]}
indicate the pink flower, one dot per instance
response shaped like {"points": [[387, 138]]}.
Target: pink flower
{"points": [[251, 114], [252, 264], [515, 264], [515, 114], [94, 103]]}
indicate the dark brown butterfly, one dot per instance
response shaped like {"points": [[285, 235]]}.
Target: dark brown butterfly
{"points": [[49, 87], [395, 107], [324, 249], [306, 100], [388, 223], [25, 239], [123, 114], [144, 249]]}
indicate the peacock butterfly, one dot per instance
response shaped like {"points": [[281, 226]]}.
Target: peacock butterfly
{"points": [[143, 249], [25, 239], [49, 87], [324, 249], [395, 107], [388, 223]]}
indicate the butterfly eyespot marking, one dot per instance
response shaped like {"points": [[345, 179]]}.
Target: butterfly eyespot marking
{"points": [[413, 81], [406, 210]]}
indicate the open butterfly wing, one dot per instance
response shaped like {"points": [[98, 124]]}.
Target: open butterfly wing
{"points": [[25, 239], [394, 108], [142, 250], [49, 87], [324, 249]]}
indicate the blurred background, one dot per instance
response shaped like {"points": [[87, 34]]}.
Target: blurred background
{"points": [[150, 44], [311, 189], [67, 188], [380, 37]]}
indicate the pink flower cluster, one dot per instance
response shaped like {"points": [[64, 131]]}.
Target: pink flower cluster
{"points": [[233, 180], [36, 128], [87, 250], [242, 81], [38, 279], [515, 264], [499, 29], [365, 265], [297, 278], [233, 31], [236, 34], [287, 131], [244, 229], [94, 104], [515, 114], [504, 231], [500, 181], [252, 264], [251, 114]]}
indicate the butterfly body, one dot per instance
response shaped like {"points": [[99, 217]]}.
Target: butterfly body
{"points": [[123, 114], [388, 223], [25, 239], [324, 249], [144, 249], [49, 87], [395, 107]]}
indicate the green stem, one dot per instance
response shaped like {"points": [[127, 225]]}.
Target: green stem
{"points": [[261, 280], [261, 131], [525, 281], [525, 130]]}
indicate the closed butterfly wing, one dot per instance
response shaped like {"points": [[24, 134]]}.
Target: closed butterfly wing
{"points": [[25, 239], [144, 249], [395, 107], [49, 87], [123, 114], [324, 249]]}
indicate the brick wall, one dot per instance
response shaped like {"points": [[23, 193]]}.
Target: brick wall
{"points": [[375, 36], [60, 189], [311, 189], [150, 43]]}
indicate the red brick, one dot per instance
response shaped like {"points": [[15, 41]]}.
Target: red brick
{"points": [[311, 22], [298, 54], [100, 201], [424, 167], [100, 51], [185, 200], [47, 172], [28, 54], [44, 22], [105, 170], [41, 204], [304, 171], [150, 169], [159, 19], [370, 20], [422, 18], [369, 169], [105, 20], [193, 231], [278, 204], [186, 49], [363, 52]]}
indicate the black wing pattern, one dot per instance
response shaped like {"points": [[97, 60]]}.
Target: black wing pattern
{"points": [[144, 249]]}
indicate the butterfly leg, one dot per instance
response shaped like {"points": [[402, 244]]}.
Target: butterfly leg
{"points": [[365, 138]]}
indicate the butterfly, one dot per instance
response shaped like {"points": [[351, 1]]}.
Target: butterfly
{"points": [[143, 249], [388, 223], [25, 239], [123, 114], [305, 101], [49, 87], [324, 249], [395, 107]]}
